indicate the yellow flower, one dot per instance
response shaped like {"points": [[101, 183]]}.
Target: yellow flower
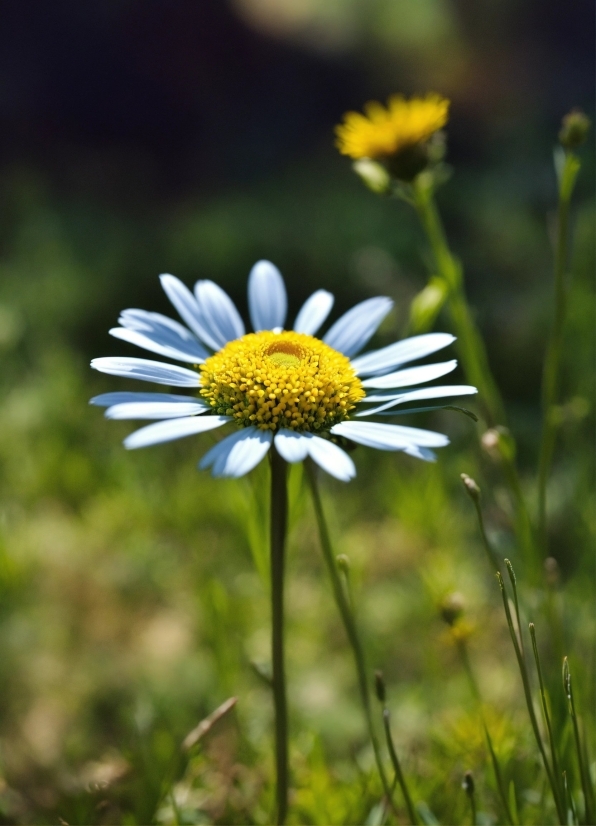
{"points": [[384, 133]]}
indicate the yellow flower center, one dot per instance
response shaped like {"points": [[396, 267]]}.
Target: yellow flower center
{"points": [[384, 132], [274, 380]]}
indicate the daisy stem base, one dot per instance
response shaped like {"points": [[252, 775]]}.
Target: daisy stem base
{"points": [[279, 519], [349, 622]]}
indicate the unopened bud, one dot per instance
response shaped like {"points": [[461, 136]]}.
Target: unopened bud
{"points": [[468, 783], [498, 443], [426, 306], [343, 563], [574, 129], [373, 175], [452, 607], [551, 571], [380, 686], [471, 487], [566, 678]]}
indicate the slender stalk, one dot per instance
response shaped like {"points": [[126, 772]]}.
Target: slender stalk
{"points": [[549, 728], [584, 770], [473, 492], [513, 581], [399, 775], [463, 652], [279, 519], [552, 361], [470, 344], [348, 620], [469, 788], [530, 705]]}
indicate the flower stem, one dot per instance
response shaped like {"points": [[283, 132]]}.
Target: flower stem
{"points": [[348, 621], [469, 342], [530, 703], [399, 775], [279, 519], [550, 378]]}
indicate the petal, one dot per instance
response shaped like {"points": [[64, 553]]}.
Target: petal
{"points": [[146, 370], [108, 399], [410, 349], [188, 308], [412, 375], [331, 458], [157, 324], [267, 299], [165, 344], [421, 453], [291, 446], [218, 313], [313, 313], [388, 436], [416, 395], [156, 410], [169, 430], [352, 331], [239, 453]]}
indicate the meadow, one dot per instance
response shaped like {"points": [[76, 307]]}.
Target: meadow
{"points": [[134, 588]]}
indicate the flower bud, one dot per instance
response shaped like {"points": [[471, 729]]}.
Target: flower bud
{"points": [[551, 571], [373, 174], [471, 487], [343, 563], [574, 129], [452, 607], [498, 443], [468, 783], [426, 306]]}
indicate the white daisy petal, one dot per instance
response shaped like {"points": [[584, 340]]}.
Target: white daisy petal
{"points": [[331, 458], [169, 331], [267, 299], [314, 312], [410, 349], [218, 312], [171, 429], [165, 344], [239, 453], [411, 376], [353, 330], [188, 308], [119, 397], [388, 436], [292, 446], [156, 410], [421, 453], [416, 395], [146, 370]]}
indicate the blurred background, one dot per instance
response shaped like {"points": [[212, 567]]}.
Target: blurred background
{"points": [[195, 137]]}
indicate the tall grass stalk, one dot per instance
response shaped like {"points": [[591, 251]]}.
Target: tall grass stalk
{"points": [[469, 342], [348, 619], [530, 704], [545, 711], [279, 521], [582, 759], [567, 166]]}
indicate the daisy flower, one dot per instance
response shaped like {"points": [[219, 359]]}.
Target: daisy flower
{"points": [[288, 388]]}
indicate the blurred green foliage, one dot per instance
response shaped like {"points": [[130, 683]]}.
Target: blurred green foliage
{"points": [[133, 589]]}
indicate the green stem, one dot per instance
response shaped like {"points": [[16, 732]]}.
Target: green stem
{"points": [[470, 344], [583, 762], [348, 621], [530, 704], [399, 775], [279, 519], [552, 362], [545, 712]]}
